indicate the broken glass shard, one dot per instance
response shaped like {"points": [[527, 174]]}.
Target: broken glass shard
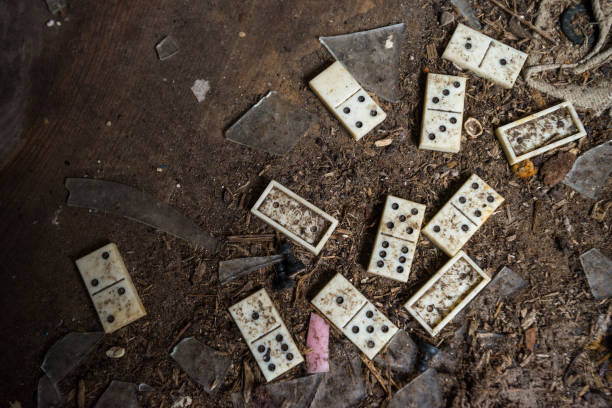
{"points": [[468, 12], [297, 393], [235, 268], [136, 205], [56, 6], [204, 365], [342, 386], [166, 48], [67, 353], [591, 170], [273, 125], [506, 282], [372, 57], [598, 270], [48, 395], [119, 394], [400, 355], [423, 391]]}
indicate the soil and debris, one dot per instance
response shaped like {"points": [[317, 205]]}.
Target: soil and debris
{"points": [[547, 344]]}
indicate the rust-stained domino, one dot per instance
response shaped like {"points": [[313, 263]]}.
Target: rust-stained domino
{"points": [[540, 132], [462, 215], [295, 217], [349, 102], [266, 335], [443, 113], [484, 56], [447, 293], [398, 233], [357, 318], [110, 288]]}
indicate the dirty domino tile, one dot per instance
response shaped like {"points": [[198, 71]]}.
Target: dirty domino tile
{"points": [[295, 217], [110, 288], [358, 319], [486, 57], [349, 102], [447, 293], [540, 132], [443, 113], [395, 244], [462, 215], [266, 335]]}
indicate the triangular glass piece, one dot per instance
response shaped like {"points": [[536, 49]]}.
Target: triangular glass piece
{"points": [[119, 394], [67, 353], [372, 57], [273, 125]]}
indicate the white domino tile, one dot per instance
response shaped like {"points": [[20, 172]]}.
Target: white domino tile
{"points": [[110, 287], [398, 233], [540, 132], [350, 103], [447, 293], [358, 319], [266, 335], [484, 56], [295, 217], [462, 215], [443, 113]]}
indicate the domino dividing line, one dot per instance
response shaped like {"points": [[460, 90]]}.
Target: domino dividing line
{"points": [[265, 334], [108, 286]]}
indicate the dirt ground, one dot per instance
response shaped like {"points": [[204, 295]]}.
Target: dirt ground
{"points": [[99, 104]]}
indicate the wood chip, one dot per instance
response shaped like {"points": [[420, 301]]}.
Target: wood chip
{"points": [[530, 338], [432, 52], [383, 142], [247, 383], [81, 394]]}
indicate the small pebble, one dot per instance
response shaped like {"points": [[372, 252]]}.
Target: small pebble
{"points": [[108, 123], [50, 23], [115, 352], [242, 34]]}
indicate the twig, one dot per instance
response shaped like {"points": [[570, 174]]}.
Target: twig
{"points": [[373, 370], [178, 336], [522, 20], [251, 238]]}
